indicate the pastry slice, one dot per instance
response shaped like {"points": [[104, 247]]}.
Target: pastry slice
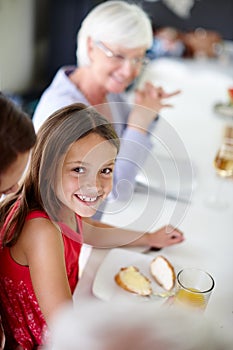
{"points": [[132, 280], [163, 272]]}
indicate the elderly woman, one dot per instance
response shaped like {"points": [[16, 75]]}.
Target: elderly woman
{"points": [[111, 47]]}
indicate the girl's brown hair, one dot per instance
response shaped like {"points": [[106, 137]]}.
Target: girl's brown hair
{"points": [[56, 135]]}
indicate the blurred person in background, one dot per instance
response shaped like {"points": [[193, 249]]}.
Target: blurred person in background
{"points": [[17, 137], [166, 43], [111, 48]]}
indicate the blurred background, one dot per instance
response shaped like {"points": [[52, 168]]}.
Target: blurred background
{"points": [[39, 36]]}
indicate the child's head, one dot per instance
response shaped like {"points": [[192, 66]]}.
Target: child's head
{"points": [[17, 137], [73, 160]]}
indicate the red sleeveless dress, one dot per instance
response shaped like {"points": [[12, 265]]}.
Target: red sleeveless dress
{"points": [[22, 318]]}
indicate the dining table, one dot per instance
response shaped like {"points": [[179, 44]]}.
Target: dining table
{"points": [[180, 195]]}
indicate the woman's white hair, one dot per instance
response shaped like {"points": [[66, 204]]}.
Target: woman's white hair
{"points": [[114, 22]]}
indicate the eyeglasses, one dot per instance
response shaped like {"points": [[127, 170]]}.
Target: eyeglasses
{"points": [[120, 59]]}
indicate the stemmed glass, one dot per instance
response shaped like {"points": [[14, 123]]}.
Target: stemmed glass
{"points": [[223, 164]]}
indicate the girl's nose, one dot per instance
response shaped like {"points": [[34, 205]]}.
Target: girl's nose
{"points": [[93, 185]]}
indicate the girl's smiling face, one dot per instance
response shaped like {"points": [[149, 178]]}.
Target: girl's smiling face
{"points": [[86, 175]]}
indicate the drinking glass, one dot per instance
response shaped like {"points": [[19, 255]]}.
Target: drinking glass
{"points": [[223, 164], [193, 289]]}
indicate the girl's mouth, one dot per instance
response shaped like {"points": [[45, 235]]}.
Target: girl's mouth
{"points": [[87, 199]]}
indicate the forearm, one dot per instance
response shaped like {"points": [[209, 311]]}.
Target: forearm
{"points": [[141, 118], [135, 148], [103, 235]]}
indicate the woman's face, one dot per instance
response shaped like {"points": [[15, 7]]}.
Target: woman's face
{"points": [[86, 175], [115, 67], [10, 178]]}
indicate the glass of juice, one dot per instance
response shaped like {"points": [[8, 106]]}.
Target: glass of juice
{"points": [[193, 289], [223, 164]]}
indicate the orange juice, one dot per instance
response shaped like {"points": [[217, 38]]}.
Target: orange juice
{"points": [[190, 297]]}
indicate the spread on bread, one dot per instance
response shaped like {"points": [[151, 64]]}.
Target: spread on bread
{"points": [[163, 272], [132, 280]]}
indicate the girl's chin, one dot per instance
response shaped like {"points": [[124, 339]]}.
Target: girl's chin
{"points": [[86, 211]]}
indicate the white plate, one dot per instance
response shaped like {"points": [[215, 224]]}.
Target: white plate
{"points": [[104, 286]]}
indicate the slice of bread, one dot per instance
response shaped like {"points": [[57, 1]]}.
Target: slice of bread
{"points": [[132, 280], [163, 272]]}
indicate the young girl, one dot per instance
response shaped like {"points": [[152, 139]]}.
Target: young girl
{"points": [[70, 174], [41, 231]]}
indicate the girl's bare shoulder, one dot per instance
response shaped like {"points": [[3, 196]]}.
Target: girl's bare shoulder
{"points": [[41, 233], [40, 226], [40, 237]]}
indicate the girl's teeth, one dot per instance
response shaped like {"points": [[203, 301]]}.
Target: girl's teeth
{"points": [[87, 199]]}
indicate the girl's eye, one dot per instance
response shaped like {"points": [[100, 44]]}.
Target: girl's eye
{"points": [[106, 171], [79, 170]]}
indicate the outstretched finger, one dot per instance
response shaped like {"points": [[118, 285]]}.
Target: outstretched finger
{"points": [[170, 94]]}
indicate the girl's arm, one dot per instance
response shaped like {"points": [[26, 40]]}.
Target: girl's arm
{"points": [[42, 245], [103, 235]]}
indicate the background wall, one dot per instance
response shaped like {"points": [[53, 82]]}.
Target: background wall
{"points": [[209, 14], [65, 17], [16, 44]]}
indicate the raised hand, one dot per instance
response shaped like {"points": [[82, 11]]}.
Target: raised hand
{"points": [[148, 103], [152, 97]]}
